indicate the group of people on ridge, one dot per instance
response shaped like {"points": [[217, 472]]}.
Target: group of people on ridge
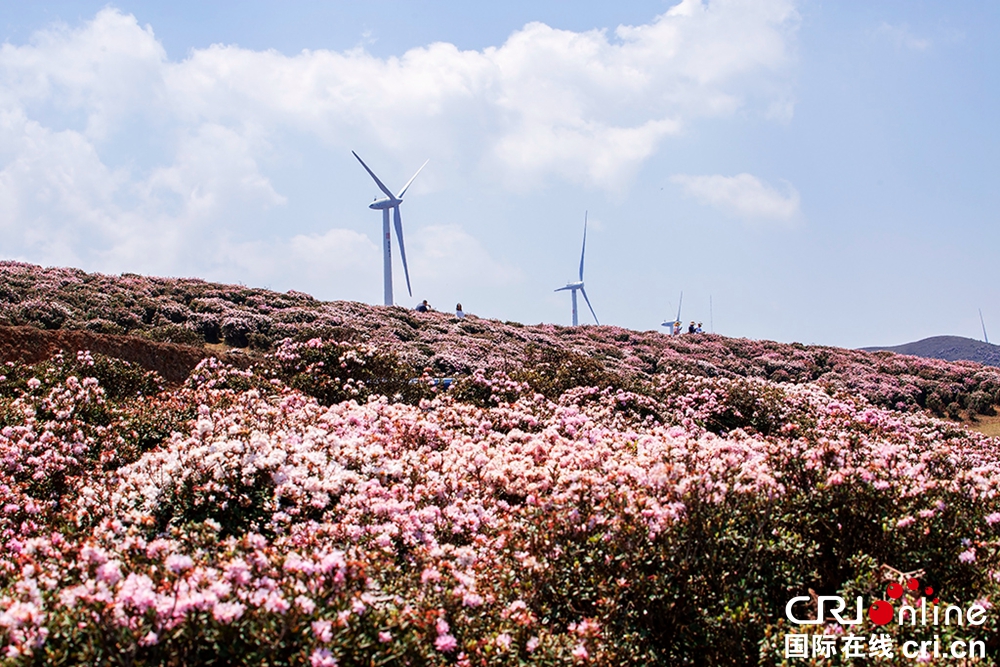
{"points": [[424, 307], [692, 328]]}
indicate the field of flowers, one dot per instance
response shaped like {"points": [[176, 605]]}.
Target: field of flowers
{"points": [[195, 312], [577, 496]]}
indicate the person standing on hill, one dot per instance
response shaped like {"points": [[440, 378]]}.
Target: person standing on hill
{"points": [[699, 329], [459, 313], [691, 327], [423, 306]]}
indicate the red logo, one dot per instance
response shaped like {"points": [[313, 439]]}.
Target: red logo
{"points": [[881, 611]]}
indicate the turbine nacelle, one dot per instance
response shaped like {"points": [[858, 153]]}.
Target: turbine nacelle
{"points": [[382, 204], [576, 285]]}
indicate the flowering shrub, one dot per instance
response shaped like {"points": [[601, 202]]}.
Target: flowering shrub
{"points": [[553, 359], [45, 314], [606, 526], [578, 496], [333, 372]]}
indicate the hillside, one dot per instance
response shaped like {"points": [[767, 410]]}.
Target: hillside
{"points": [[194, 313], [587, 495], [949, 348]]}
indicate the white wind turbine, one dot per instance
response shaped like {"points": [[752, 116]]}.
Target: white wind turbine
{"points": [[391, 201], [675, 324], [573, 287]]}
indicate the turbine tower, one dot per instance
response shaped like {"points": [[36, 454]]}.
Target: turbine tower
{"points": [[390, 201], [573, 287]]}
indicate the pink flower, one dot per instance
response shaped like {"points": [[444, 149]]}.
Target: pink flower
{"points": [[580, 653], [445, 643], [227, 612], [470, 599], [110, 573], [156, 547], [333, 561], [275, 603], [238, 572], [93, 555], [323, 631], [322, 657], [137, 592], [385, 637], [586, 628], [968, 556], [178, 563]]}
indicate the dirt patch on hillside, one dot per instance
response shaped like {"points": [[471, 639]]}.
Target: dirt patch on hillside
{"points": [[173, 362], [987, 425]]}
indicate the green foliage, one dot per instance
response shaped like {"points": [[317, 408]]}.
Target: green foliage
{"points": [[980, 402], [552, 371], [173, 333], [690, 596], [146, 424], [118, 379], [936, 404], [749, 405], [332, 372]]}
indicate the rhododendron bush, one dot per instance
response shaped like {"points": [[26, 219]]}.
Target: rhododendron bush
{"points": [[236, 519], [575, 496], [553, 358]]}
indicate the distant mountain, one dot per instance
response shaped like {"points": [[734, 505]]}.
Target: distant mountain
{"points": [[948, 348]]}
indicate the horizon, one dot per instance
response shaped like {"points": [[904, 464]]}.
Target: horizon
{"points": [[818, 173], [896, 348]]}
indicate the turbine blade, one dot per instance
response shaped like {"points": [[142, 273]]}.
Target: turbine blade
{"points": [[387, 191], [398, 222], [679, 303], [406, 187], [562, 289], [584, 250], [589, 306]]}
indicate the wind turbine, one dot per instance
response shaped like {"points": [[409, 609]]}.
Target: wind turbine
{"points": [[983, 322], [676, 322], [573, 287], [391, 201]]}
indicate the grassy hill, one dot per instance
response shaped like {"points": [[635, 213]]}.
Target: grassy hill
{"points": [[212, 474]]}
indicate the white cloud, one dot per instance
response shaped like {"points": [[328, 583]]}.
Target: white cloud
{"points": [[341, 249], [338, 260], [902, 37], [743, 195], [112, 156], [108, 68], [448, 255]]}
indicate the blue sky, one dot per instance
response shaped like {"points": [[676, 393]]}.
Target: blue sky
{"points": [[821, 172]]}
